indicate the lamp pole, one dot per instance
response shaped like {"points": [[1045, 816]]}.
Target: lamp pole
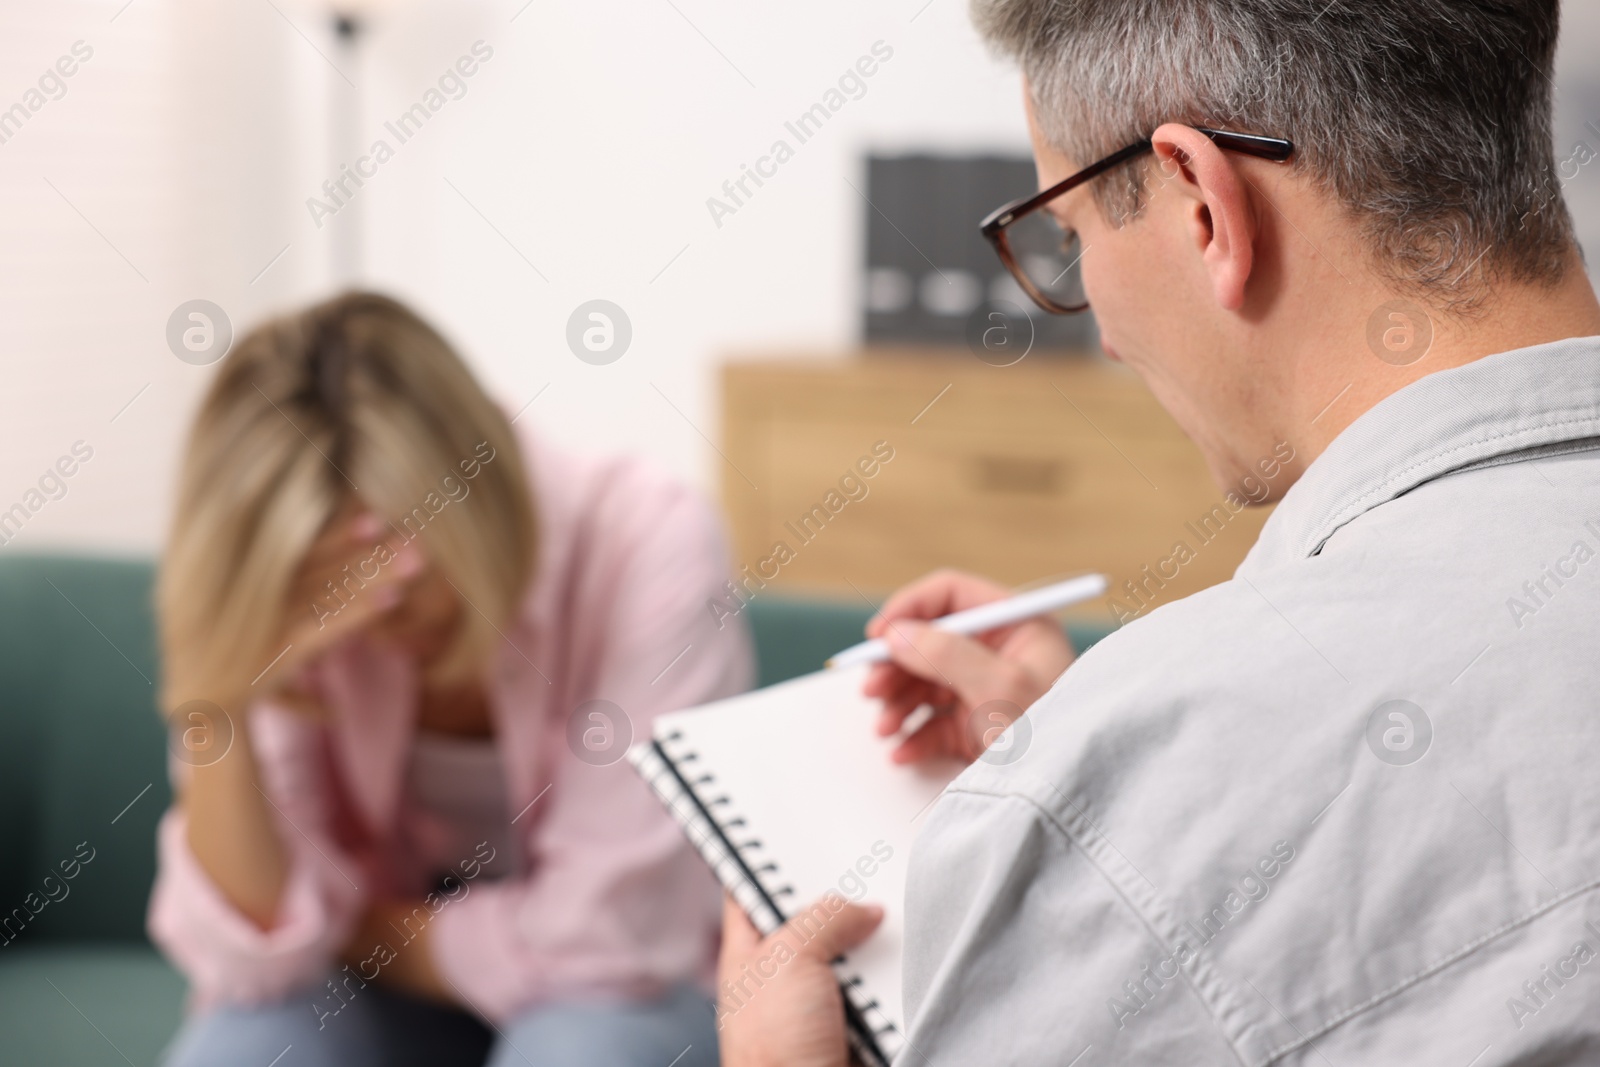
{"points": [[346, 258]]}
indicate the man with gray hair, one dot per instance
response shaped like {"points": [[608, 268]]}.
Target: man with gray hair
{"points": [[1344, 808]]}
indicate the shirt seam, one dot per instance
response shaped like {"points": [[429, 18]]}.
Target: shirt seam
{"points": [[1138, 913], [1306, 1038], [1571, 446], [1428, 971], [1359, 506]]}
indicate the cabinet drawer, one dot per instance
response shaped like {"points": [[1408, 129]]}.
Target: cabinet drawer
{"points": [[1010, 479]]}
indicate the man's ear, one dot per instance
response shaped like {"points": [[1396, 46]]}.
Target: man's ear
{"points": [[1221, 215]]}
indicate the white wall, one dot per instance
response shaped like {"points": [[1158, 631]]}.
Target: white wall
{"points": [[591, 140], [590, 143], [159, 177], [1577, 125]]}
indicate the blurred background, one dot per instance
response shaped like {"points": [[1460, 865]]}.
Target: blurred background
{"points": [[737, 238], [577, 164]]}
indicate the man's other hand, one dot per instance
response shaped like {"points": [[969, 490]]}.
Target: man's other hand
{"points": [[778, 1000]]}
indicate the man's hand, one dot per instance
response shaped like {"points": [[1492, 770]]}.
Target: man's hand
{"points": [[977, 685], [778, 998]]}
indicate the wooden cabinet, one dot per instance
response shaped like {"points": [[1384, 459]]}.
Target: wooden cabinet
{"points": [[1047, 468]]}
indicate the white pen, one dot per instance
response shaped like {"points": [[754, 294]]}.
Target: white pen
{"points": [[990, 616]]}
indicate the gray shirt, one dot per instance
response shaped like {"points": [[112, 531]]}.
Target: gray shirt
{"points": [[1343, 809]]}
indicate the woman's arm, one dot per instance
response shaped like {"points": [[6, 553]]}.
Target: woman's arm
{"points": [[231, 830], [231, 826]]}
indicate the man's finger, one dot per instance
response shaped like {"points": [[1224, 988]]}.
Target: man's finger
{"points": [[953, 661], [939, 593], [739, 935], [840, 932], [907, 689], [892, 718], [939, 737], [882, 680]]}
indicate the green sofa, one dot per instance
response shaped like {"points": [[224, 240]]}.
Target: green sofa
{"points": [[83, 781]]}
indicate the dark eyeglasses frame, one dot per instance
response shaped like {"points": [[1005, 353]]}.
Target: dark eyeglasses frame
{"points": [[993, 228]]}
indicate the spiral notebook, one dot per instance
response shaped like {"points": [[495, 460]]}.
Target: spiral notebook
{"points": [[788, 794]]}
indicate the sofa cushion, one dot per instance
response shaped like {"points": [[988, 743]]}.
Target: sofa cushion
{"points": [[104, 1006], [82, 750]]}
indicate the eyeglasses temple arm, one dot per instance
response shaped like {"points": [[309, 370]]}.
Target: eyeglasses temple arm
{"points": [[1274, 148]]}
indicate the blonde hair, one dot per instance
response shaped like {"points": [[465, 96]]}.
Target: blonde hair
{"points": [[354, 397]]}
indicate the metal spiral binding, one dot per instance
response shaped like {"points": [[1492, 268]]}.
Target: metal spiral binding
{"points": [[888, 1037], [717, 839], [876, 1041]]}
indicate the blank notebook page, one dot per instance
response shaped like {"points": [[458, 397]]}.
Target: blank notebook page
{"points": [[800, 786]]}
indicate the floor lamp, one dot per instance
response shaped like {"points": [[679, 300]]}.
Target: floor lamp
{"points": [[351, 21]]}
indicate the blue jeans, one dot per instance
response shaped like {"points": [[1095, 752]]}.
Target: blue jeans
{"points": [[383, 1029]]}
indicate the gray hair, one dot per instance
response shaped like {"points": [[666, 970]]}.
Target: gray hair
{"points": [[1429, 119]]}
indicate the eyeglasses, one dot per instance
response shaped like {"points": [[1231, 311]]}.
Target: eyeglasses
{"points": [[1043, 256]]}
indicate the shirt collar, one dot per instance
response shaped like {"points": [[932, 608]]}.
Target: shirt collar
{"points": [[1513, 405]]}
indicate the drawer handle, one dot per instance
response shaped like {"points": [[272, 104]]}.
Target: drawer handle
{"points": [[1015, 474]]}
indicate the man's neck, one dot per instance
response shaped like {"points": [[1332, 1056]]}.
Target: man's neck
{"points": [[1516, 316]]}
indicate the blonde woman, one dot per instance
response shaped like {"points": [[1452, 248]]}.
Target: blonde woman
{"points": [[404, 651]]}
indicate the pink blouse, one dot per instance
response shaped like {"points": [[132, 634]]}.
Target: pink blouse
{"points": [[611, 900]]}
